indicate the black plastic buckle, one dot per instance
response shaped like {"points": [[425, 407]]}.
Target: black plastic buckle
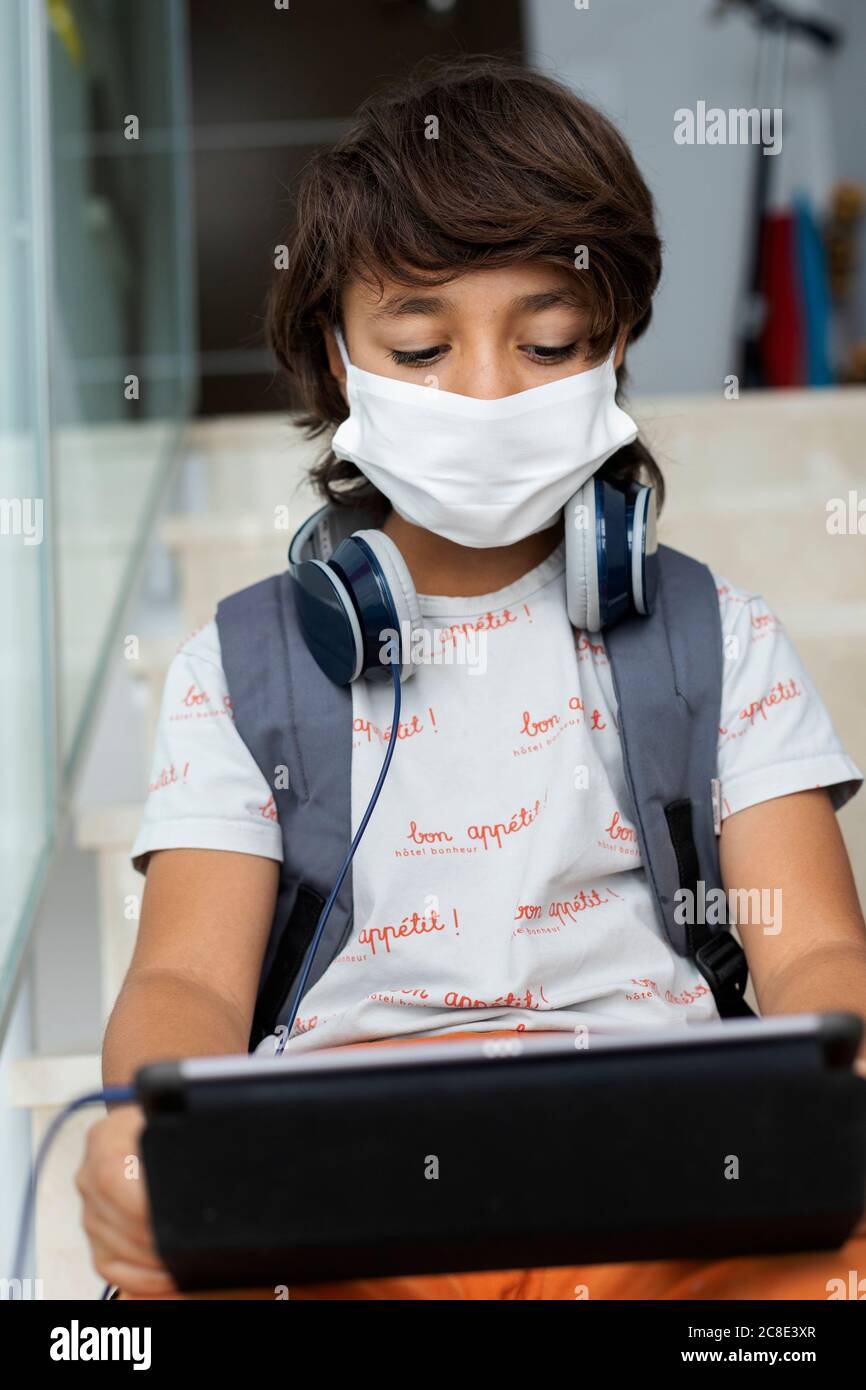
{"points": [[722, 962]]}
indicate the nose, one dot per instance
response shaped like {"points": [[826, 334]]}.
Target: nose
{"points": [[485, 370]]}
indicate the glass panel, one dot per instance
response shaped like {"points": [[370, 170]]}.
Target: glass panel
{"points": [[26, 744], [122, 316], [96, 375]]}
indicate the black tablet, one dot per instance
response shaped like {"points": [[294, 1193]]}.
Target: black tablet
{"points": [[743, 1136]]}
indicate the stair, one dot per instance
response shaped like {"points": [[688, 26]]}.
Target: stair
{"points": [[787, 454]]}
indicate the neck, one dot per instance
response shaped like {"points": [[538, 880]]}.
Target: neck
{"points": [[440, 566]]}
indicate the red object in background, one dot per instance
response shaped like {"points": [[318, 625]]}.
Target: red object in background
{"points": [[782, 347]]}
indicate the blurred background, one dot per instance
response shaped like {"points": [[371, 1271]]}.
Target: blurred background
{"points": [[149, 150]]}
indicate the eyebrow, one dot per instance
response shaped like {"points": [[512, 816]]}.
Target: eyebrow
{"points": [[431, 304], [549, 299], [414, 304]]}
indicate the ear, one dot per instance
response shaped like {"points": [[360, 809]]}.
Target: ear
{"points": [[335, 361]]}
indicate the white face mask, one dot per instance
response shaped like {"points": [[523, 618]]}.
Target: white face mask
{"points": [[481, 472]]}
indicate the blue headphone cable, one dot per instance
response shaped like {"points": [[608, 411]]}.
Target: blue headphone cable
{"points": [[326, 910], [111, 1095], [114, 1095]]}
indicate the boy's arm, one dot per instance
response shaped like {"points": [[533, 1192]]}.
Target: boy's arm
{"points": [[191, 987], [809, 955]]}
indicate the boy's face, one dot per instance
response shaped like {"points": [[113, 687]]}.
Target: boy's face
{"points": [[488, 333]]}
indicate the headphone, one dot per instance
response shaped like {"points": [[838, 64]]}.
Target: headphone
{"points": [[350, 584]]}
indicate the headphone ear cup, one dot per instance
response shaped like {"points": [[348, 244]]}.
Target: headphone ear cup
{"points": [[328, 620], [582, 588], [400, 585], [644, 547]]}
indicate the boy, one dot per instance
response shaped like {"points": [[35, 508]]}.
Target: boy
{"points": [[482, 286]]}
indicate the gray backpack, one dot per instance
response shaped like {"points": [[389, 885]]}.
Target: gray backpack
{"points": [[667, 677]]}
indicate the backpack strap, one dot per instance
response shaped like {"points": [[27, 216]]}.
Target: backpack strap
{"points": [[667, 677], [298, 726]]}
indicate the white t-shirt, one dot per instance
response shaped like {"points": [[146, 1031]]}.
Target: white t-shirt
{"points": [[499, 883]]}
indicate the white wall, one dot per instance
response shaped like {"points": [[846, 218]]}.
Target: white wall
{"points": [[640, 60]]}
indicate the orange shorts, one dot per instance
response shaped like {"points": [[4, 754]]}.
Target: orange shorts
{"points": [[822, 1275]]}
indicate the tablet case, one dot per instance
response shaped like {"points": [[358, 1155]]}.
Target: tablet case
{"points": [[507, 1162]]}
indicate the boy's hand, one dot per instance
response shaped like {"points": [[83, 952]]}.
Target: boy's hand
{"points": [[116, 1214]]}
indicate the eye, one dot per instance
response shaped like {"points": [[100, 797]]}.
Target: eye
{"points": [[420, 357], [540, 353]]}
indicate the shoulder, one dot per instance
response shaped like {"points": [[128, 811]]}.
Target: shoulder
{"points": [[194, 678], [246, 610], [254, 600], [735, 599], [686, 576], [747, 618], [201, 645], [198, 658]]}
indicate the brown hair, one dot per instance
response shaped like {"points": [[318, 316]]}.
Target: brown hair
{"points": [[521, 168]]}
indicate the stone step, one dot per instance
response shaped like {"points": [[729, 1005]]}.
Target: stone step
{"points": [[44, 1085]]}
